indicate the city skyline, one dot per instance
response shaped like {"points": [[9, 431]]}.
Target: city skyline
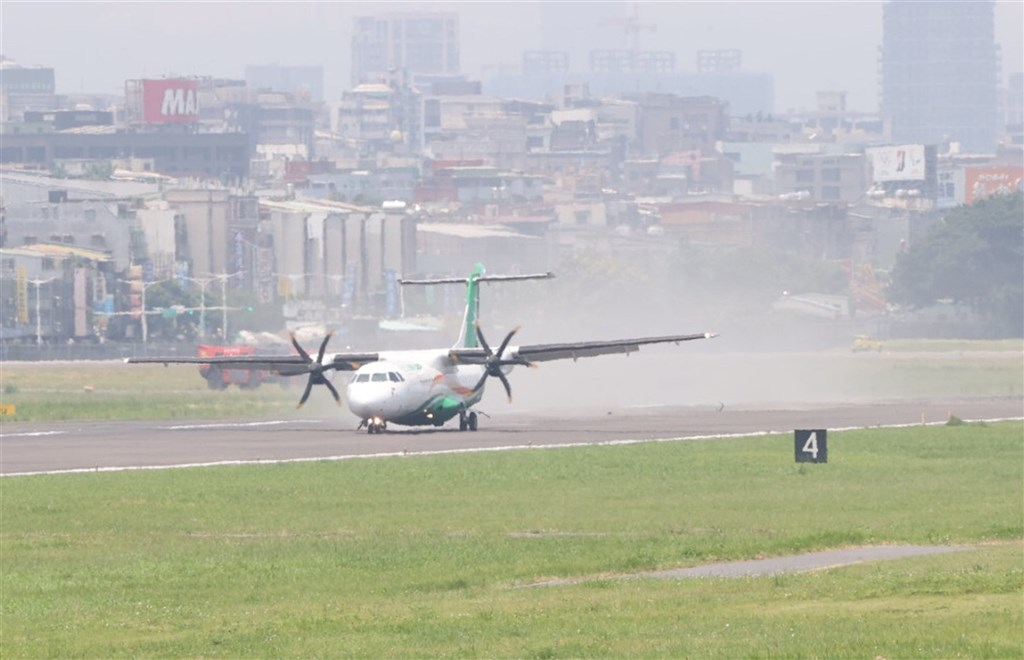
{"points": [[100, 45]]}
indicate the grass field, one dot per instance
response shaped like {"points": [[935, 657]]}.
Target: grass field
{"points": [[69, 391], [430, 556]]}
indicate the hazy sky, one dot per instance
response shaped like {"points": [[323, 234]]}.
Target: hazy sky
{"points": [[808, 46]]}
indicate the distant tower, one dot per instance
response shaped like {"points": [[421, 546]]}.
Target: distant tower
{"points": [[416, 42], [940, 71]]}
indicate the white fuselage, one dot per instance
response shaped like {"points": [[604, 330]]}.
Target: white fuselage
{"points": [[413, 388]]}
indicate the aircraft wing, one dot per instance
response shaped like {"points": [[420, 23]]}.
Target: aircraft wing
{"points": [[574, 350], [285, 365]]}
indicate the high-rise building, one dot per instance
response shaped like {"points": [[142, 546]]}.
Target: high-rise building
{"points": [[305, 82], [416, 42], [940, 71], [25, 88]]}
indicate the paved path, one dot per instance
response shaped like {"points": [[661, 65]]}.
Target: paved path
{"points": [[789, 564]]}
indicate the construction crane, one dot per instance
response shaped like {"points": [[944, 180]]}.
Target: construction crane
{"points": [[631, 25]]}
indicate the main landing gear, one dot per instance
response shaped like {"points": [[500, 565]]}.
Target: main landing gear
{"points": [[467, 421], [374, 425]]}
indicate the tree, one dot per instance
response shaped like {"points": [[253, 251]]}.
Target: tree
{"points": [[975, 257]]}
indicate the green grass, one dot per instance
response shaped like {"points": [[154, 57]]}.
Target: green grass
{"points": [[426, 556], [50, 392], [939, 376], [952, 345]]}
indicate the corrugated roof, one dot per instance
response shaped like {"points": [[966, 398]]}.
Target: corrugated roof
{"points": [[470, 231], [59, 250], [81, 187], [314, 206], [90, 130]]}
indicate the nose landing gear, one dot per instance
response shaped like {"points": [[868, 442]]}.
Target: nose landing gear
{"points": [[374, 425], [467, 421]]}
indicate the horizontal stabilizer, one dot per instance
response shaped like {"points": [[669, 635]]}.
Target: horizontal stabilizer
{"points": [[482, 278]]}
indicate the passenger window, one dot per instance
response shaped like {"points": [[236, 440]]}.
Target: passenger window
{"points": [[363, 378], [393, 377], [378, 377]]}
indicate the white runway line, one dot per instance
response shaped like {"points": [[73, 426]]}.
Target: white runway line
{"points": [[32, 434], [467, 450], [237, 425]]}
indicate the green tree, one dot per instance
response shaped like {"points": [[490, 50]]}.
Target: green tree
{"points": [[167, 295], [975, 257]]}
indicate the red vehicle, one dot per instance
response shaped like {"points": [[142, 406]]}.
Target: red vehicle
{"points": [[218, 378]]}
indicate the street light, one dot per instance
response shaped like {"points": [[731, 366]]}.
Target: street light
{"points": [[142, 301], [223, 277], [202, 282], [39, 324]]}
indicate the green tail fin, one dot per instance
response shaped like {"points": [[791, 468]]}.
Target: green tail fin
{"points": [[467, 335]]}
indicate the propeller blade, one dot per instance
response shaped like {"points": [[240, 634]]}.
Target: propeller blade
{"points": [[323, 347], [504, 381], [483, 342], [480, 382], [504, 343], [305, 394], [337, 397], [302, 351]]}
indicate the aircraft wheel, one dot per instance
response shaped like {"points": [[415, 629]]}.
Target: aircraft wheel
{"points": [[463, 422], [472, 421]]}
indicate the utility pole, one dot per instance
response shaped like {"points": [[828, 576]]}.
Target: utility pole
{"points": [[224, 277], [202, 282], [39, 321], [145, 313]]}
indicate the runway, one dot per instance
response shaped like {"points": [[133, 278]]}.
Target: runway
{"points": [[87, 446]]}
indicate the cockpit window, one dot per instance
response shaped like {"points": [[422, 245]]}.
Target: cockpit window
{"points": [[362, 378], [394, 377], [380, 376]]}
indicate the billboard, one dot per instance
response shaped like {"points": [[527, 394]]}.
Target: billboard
{"points": [[982, 182], [900, 163], [170, 101]]}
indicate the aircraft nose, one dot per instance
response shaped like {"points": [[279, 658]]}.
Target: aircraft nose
{"points": [[370, 399], [359, 402]]}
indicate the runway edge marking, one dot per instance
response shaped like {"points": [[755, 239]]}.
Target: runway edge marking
{"points": [[469, 450]]}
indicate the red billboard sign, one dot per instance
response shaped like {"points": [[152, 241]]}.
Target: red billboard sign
{"points": [[982, 182], [170, 101]]}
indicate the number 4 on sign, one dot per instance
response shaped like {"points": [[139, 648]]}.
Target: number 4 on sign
{"points": [[811, 445]]}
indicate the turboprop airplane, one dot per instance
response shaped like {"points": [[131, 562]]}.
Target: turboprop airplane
{"points": [[425, 387]]}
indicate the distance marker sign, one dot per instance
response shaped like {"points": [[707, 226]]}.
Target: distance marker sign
{"points": [[811, 445]]}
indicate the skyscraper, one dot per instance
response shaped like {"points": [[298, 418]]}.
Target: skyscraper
{"points": [[940, 68], [414, 42]]}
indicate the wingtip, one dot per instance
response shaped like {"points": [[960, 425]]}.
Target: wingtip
{"points": [[710, 335]]}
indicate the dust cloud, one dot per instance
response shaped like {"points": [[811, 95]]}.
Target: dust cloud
{"points": [[762, 356]]}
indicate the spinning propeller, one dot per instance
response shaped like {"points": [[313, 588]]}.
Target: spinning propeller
{"points": [[494, 362], [315, 368]]}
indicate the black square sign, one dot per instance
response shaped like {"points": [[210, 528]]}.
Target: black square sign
{"points": [[811, 445]]}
